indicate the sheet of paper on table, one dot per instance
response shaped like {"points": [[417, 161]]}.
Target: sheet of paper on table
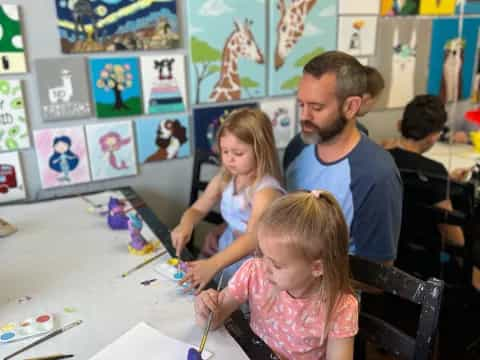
{"points": [[143, 342]]}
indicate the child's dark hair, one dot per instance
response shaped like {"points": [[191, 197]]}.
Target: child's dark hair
{"points": [[422, 116], [375, 81]]}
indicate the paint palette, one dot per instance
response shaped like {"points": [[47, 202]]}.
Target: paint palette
{"points": [[172, 271], [33, 326]]}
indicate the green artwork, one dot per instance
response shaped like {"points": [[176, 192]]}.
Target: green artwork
{"points": [[12, 56]]}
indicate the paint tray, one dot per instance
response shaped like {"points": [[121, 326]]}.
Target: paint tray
{"points": [[32, 326]]}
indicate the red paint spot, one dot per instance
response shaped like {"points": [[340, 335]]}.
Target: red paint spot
{"points": [[43, 318]]}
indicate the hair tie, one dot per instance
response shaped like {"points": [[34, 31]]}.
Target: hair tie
{"points": [[316, 193]]}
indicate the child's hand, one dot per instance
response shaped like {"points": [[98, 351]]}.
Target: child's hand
{"points": [[205, 303], [199, 274], [460, 137], [460, 174], [180, 237]]}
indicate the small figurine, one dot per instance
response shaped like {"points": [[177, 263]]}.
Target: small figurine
{"points": [[138, 245], [117, 220]]}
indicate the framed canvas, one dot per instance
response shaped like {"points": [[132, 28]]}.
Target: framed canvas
{"points": [[111, 149], [437, 7], [163, 83], [116, 86], [282, 113], [62, 156], [12, 52], [357, 35], [63, 88], [117, 25], [355, 7], [12, 185], [13, 117], [226, 64], [163, 138], [399, 7]]}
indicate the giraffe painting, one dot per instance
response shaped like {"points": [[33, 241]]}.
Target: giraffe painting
{"points": [[240, 43], [290, 27]]}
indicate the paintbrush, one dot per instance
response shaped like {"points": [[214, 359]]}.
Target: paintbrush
{"points": [[194, 354], [125, 274]]}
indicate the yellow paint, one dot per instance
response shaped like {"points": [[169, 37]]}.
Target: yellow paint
{"points": [[437, 7], [475, 137], [173, 261], [8, 327]]}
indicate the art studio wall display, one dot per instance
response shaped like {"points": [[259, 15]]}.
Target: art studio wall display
{"points": [[111, 149], [357, 34], [282, 113], [63, 88], [403, 45], [399, 7], [62, 156], [116, 25], [299, 30], [116, 86], [207, 122], [12, 186], [163, 138], [452, 58], [437, 7], [163, 83], [355, 7], [226, 64], [12, 52], [13, 117]]}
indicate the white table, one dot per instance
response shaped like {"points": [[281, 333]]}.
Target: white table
{"points": [[62, 256], [453, 156]]}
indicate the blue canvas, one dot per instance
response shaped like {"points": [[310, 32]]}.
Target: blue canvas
{"points": [[111, 148], [439, 81], [313, 32], [471, 7], [207, 122], [116, 86], [227, 50], [163, 138]]}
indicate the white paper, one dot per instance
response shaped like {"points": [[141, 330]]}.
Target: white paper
{"points": [[143, 342]]}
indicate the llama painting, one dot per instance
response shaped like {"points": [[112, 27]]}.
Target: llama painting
{"points": [[111, 149], [299, 30], [163, 83], [116, 25], [356, 35], [227, 65], [63, 88], [12, 53], [451, 83]]}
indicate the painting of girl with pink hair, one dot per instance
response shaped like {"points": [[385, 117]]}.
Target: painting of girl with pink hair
{"points": [[111, 149]]}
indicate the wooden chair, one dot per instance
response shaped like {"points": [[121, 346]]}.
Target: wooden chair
{"points": [[378, 331]]}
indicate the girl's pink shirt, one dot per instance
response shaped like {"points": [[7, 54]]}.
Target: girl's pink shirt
{"points": [[293, 328]]}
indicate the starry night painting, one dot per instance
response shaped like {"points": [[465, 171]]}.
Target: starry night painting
{"points": [[115, 25]]}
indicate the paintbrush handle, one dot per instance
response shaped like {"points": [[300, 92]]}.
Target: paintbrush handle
{"points": [[209, 321], [144, 263]]}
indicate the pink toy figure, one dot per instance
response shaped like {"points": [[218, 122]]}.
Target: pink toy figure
{"points": [[138, 245]]}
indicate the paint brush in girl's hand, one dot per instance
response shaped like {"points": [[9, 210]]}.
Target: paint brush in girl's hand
{"points": [[194, 354]]}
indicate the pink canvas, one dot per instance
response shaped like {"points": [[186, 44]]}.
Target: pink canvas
{"points": [[62, 156]]}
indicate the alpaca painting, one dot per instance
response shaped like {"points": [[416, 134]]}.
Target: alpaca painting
{"points": [[299, 30], [112, 150], [63, 88], [451, 83], [357, 34], [403, 71], [227, 65]]}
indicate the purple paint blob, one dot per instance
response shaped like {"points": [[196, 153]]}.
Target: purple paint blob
{"points": [[193, 354]]}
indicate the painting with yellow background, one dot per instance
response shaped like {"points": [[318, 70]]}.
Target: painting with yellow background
{"points": [[399, 7], [437, 7]]}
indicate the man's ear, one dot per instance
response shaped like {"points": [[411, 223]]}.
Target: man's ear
{"points": [[317, 268], [351, 106]]}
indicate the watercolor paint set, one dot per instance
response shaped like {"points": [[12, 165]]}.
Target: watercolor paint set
{"points": [[173, 270], [32, 326]]}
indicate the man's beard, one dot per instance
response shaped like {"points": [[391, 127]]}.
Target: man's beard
{"points": [[324, 135]]}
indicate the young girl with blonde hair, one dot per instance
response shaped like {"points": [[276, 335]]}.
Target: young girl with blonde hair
{"points": [[299, 293], [248, 181]]}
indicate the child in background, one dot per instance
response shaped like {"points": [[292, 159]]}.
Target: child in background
{"points": [[248, 181], [375, 86], [298, 289]]}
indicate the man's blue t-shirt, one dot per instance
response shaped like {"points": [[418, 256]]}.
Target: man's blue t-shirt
{"points": [[367, 185]]}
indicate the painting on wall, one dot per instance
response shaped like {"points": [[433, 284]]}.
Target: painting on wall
{"points": [[111, 150], [116, 25], [207, 122], [163, 83], [471, 7], [364, 7], [282, 113], [116, 86], [228, 64], [163, 138], [357, 34], [63, 88], [299, 30], [12, 186], [12, 53], [401, 59], [13, 117], [475, 97], [452, 58], [62, 156], [399, 7], [437, 7]]}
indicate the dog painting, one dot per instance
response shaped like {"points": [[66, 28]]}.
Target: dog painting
{"points": [[171, 134]]}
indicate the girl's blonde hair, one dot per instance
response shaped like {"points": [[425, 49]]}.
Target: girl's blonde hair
{"points": [[253, 127], [313, 225]]}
